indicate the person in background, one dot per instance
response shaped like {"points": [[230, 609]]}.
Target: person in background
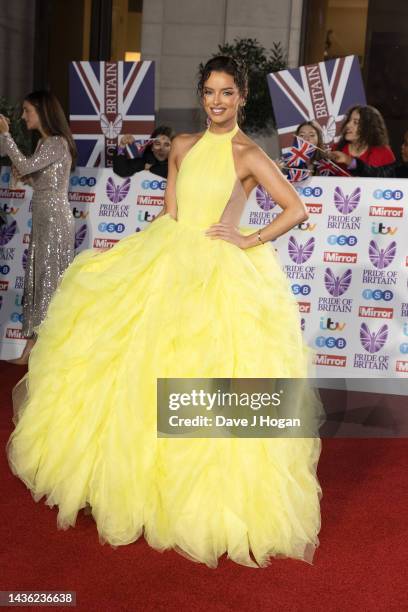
{"points": [[311, 132], [364, 146], [52, 239], [154, 158], [402, 168]]}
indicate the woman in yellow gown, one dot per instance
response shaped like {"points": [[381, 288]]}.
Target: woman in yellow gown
{"points": [[191, 296]]}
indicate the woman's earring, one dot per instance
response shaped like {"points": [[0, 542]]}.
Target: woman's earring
{"points": [[208, 122]]}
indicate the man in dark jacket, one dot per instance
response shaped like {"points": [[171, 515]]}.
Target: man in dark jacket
{"points": [[154, 157]]}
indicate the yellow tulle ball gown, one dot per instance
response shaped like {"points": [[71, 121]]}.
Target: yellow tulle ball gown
{"points": [[169, 302]]}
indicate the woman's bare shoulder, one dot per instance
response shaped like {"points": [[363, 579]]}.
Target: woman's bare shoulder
{"points": [[245, 145], [246, 148]]}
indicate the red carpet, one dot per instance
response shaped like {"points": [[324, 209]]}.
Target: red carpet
{"points": [[361, 563]]}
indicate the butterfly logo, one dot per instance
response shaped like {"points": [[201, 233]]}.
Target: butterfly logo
{"points": [[111, 129], [381, 258], [346, 204], [337, 285], [263, 199], [24, 259], [117, 193], [80, 235], [299, 253], [373, 341], [329, 130], [7, 232]]}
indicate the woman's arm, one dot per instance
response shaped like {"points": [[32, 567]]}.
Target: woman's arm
{"points": [[381, 163], [26, 180], [52, 149], [122, 166], [266, 173]]}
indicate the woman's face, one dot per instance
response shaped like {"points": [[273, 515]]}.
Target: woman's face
{"points": [[161, 147], [351, 129], [30, 116], [221, 98], [308, 133]]}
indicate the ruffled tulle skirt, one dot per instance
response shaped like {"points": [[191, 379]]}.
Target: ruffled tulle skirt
{"points": [[167, 302]]}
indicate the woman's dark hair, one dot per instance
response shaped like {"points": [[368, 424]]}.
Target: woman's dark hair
{"points": [[313, 124], [372, 131], [224, 63], [163, 130], [52, 118]]}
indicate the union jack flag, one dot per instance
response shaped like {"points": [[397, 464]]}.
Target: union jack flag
{"points": [[300, 153], [108, 99], [326, 167], [323, 92], [297, 175], [137, 149]]}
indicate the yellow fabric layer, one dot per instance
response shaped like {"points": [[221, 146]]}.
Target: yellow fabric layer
{"points": [[168, 302]]}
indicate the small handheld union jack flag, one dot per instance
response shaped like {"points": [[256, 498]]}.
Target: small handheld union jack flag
{"points": [[136, 149], [326, 167], [300, 153], [296, 175]]}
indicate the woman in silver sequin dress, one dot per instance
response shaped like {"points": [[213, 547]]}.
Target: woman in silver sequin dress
{"points": [[51, 247]]}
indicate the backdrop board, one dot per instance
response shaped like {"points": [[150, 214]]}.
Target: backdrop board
{"points": [[323, 91], [107, 100], [347, 265]]}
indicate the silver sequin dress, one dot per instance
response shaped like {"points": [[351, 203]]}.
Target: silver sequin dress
{"points": [[52, 240]]}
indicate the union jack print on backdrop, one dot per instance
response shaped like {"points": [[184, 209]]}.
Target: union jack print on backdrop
{"points": [[323, 92], [108, 99]]}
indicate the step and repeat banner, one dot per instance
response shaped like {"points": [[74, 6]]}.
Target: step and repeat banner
{"points": [[347, 264]]}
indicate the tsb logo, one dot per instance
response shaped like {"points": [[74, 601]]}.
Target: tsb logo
{"points": [[342, 240], [377, 294], [4, 269], [388, 194], [82, 181], [111, 227], [331, 342], [301, 289], [154, 184], [310, 192]]}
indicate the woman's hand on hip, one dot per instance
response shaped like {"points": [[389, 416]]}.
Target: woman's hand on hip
{"points": [[227, 232]]}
